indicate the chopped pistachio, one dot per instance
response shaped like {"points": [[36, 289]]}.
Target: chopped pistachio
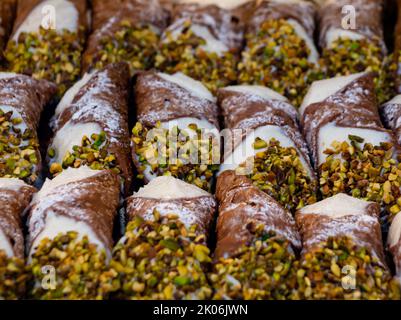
{"points": [[13, 277]]}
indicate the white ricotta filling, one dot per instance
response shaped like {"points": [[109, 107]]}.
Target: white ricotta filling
{"points": [[193, 86], [335, 34], [50, 14], [168, 188], [330, 133], [260, 91], [395, 100], [395, 231], [245, 150], [56, 224], [71, 135], [337, 206]]}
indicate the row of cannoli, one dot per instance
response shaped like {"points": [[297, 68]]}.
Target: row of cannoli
{"points": [[253, 42]]}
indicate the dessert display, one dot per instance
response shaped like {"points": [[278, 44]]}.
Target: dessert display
{"points": [[200, 150], [124, 30], [202, 42], [48, 39], [265, 144], [91, 124], [177, 132], [280, 52], [22, 100]]}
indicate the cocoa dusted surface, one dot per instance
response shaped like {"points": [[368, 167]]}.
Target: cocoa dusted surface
{"points": [[198, 211], [363, 229], [109, 14], [13, 203], [28, 97], [7, 14], [160, 100], [104, 100], [248, 112], [222, 24], [368, 19], [242, 206], [303, 12], [93, 200], [354, 106]]}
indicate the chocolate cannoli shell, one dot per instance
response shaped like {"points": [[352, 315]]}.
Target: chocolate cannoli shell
{"points": [[363, 229], [242, 207], [25, 7], [13, 203], [28, 97], [303, 12], [109, 14], [354, 106], [105, 101], [198, 211], [222, 24], [397, 50], [93, 200], [248, 112], [368, 19], [160, 100], [391, 115], [7, 14], [395, 251]]}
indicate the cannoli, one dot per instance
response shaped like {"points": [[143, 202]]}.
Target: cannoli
{"points": [[203, 42], [125, 30], [256, 243], [163, 254], [280, 52], [265, 144], [48, 40], [91, 124], [70, 225], [342, 255], [21, 102], [394, 68], [352, 151], [177, 129], [15, 196], [352, 41], [7, 13]]}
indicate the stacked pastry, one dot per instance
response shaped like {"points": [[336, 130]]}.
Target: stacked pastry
{"points": [[256, 243], [353, 41], [264, 143], [91, 124], [22, 100], [342, 255], [7, 12], [394, 68], [163, 254], [15, 196], [70, 224], [203, 42], [125, 30], [177, 129], [352, 151], [48, 39], [280, 52]]}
